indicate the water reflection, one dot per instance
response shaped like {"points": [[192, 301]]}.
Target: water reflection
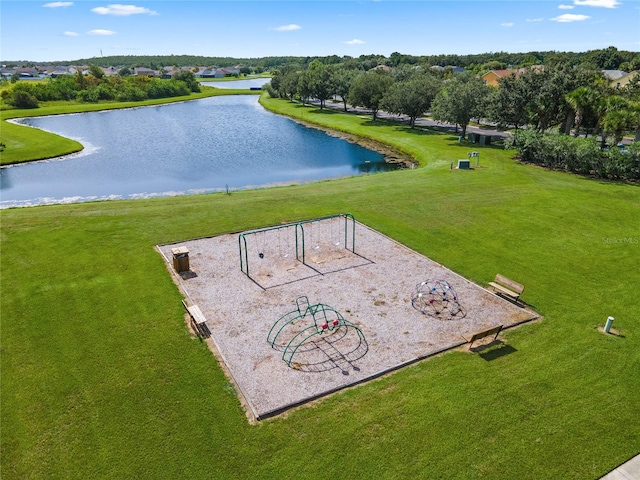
{"points": [[247, 83], [191, 147]]}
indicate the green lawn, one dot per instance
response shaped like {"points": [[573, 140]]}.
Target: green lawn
{"points": [[101, 379]]}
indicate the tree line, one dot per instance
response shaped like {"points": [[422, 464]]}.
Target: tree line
{"points": [[609, 59], [573, 99], [561, 99], [96, 86]]}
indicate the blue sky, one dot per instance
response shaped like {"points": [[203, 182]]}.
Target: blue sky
{"points": [[68, 30]]}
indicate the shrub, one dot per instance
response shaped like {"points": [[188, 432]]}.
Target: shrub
{"points": [[577, 154], [22, 99]]}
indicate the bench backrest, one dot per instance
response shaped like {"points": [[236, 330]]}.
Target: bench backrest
{"points": [[510, 284], [485, 333]]}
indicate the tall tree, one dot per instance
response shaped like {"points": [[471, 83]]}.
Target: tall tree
{"points": [[316, 82], [368, 89], [341, 80], [412, 97], [461, 99], [508, 102], [579, 100]]}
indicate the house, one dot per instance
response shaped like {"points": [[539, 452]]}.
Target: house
{"points": [[384, 68], [167, 72], [145, 72], [7, 73], [27, 72], [210, 73], [63, 70], [492, 77], [109, 71], [624, 80], [613, 75]]}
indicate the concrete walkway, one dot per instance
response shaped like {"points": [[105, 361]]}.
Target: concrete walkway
{"points": [[629, 470]]}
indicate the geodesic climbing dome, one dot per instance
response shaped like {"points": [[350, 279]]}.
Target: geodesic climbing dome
{"points": [[437, 298], [318, 337]]}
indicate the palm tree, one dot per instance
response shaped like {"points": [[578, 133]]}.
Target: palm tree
{"points": [[579, 99], [621, 116]]}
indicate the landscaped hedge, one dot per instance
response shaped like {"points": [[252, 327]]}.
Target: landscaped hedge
{"points": [[578, 155]]}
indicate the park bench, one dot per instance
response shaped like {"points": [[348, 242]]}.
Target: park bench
{"points": [[507, 287], [482, 334], [198, 320]]}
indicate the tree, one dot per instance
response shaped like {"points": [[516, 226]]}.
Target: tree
{"points": [[189, 78], [21, 99], [621, 116], [508, 102], [341, 80], [461, 99], [96, 71], [124, 72], [412, 97], [579, 100], [320, 82], [368, 89]]}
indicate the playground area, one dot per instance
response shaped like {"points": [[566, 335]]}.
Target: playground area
{"points": [[301, 310]]}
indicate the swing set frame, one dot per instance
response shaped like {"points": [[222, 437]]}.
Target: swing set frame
{"points": [[300, 237]]}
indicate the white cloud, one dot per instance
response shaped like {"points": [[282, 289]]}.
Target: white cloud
{"points": [[123, 10], [288, 28], [101, 32], [507, 24], [566, 7], [597, 3], [535, 19], [57, 4], [570, 17], [355, 41], [70, 34]]}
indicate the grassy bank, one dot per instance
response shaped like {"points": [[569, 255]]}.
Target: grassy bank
{"points": [[101, 379], [24, 144]]}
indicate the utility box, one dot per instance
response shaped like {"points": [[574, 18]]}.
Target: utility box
{"points": [[472, 137], [485, 139], [464, 164], [180, 259]]}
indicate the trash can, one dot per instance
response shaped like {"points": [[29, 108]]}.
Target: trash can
{"points": [[180, 259]]}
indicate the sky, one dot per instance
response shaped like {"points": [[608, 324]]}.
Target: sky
{"points": [[43, 31]]}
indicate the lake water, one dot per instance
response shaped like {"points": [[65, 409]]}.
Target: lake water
{"points": [[247, 83], [177, 149]]}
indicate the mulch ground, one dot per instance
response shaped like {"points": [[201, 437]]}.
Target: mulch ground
{"points": [[366, 291]]}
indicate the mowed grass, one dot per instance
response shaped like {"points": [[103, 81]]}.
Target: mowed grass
{"points": [[101, 379]]}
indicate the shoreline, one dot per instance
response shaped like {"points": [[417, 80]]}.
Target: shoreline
{"points": [[390, 154]]}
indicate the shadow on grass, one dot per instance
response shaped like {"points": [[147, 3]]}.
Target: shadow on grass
{"points": [[493, 350]]}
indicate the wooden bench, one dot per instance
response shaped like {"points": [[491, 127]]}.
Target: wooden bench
{"points": [[507, 287], [484, 333], [198, 320]]}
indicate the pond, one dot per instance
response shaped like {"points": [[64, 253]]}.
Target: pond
{"points": [[184, 148]]}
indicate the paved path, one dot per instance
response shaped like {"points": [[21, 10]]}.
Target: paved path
{"points": [[629, 470], [420, 122]]}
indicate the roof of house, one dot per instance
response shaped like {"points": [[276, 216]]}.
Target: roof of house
{"points": [[614, 74]]}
